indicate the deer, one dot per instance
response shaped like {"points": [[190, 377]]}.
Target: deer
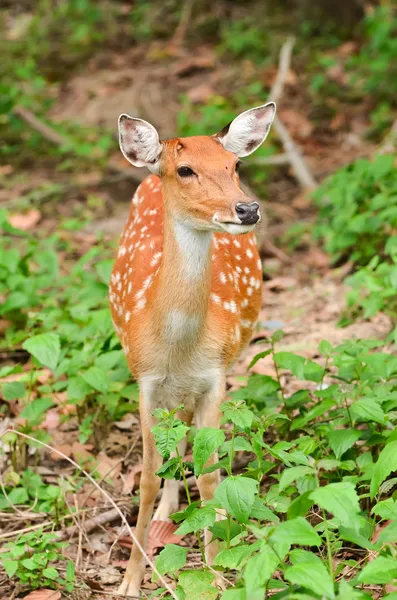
{"points": [[185, 290]]}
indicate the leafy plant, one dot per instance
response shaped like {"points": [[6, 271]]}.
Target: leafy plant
{"points": [[31, 558], [358, 209], [324, 489]]}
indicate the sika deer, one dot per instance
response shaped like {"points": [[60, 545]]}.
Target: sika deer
{"points": [[185, 290]]}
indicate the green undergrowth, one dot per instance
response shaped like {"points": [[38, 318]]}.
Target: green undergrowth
{"points": [[357, 221], [56, 307], [299, 521]]}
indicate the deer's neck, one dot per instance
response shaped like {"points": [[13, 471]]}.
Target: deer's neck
{"points": [[184, 282]]}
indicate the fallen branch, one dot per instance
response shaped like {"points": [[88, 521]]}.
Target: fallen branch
{"points": [[45, 130], [91, 524], [298, 163], [108, 498]]}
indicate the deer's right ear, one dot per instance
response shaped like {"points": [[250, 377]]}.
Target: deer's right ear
{"points": [[139, 142]]}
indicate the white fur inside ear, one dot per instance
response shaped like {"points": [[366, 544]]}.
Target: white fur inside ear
{"points": [[139, 142], [249, 130]]}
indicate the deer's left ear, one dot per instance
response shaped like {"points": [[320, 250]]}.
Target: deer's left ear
{"points": [[248, 131]]}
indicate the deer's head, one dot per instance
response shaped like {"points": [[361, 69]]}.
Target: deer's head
{"points": [[199, 174]]}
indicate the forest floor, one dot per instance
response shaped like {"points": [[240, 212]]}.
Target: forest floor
{"points": [[302, 294]]}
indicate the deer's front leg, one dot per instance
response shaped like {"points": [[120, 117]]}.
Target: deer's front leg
{"points": [[208, 415], [149, 488], [169, 502]]}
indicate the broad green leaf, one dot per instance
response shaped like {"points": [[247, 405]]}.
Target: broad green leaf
{"points": [[388, 534], [262, 512], [198, 585], [78, 388], [231, 558], [168, 435], [34, 411], [341, 440], [380, 570], [13, 390], [386, 463], [293, 474], [312, 576], [297, 531], [238, 413], [96, 378], [237, 495], [18, 495], [367, 409], [200, 518], [206, 441], [292, 362], [234, 594], [46, 347], [70, 571], [386, 509], [258, 357], [340, 499], [169, 468], [51, 573], [260, 568], [108, 360], [171, 559], [300, 506], [29, 563], [10, 566]]}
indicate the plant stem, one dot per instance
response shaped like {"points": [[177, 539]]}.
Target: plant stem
{"points": [[231, 451], [182, 470], [277, 373]]}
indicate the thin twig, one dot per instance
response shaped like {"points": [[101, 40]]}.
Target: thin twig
{"points": [[275, 159], [108, 498]]}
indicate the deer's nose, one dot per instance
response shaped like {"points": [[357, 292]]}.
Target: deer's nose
{"points": [[248, 213]]}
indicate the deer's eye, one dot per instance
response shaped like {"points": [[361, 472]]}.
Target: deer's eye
{"points": [[185, 172], [238, 165]]}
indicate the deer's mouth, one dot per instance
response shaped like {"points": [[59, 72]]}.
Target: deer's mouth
{"points": [[233, 227]]}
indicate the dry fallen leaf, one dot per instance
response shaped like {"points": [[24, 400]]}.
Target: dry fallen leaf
{"points": [[51, 420], [127, 422], [160, 534], [200, 94], [107, 467], [44, 594], [131, 481], [26, 220]]}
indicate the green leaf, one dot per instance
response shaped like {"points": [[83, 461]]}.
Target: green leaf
{"points": [[108, 360], [45, 347], [292, 362], [341, 440], [238, 413], [234, 594], [51, 573], [171, 559], [260, 568], [297, 531], [313, 576], [200, 518], [367, 409], [77, 388], [300, 506], [340, 499], [386, 463], [261, 512], [97, 379], [293, 474], [10, 566], [35, 410], [258, 357], [381, 570], [29, 563], [206, 441], [197, 585], [13, 390], [70, 571], [386, 509], [169, 468], [18, 495], [237, 496], [388, 534], [231, 558], [167, 436]]}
